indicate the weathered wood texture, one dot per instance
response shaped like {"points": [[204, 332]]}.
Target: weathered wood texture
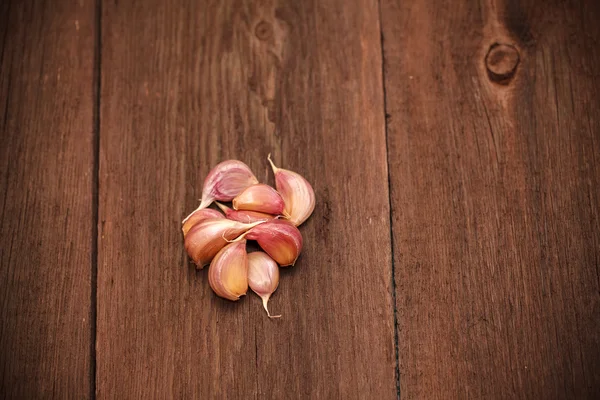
{"points": [[493, 143], [187, 84], [46, 164], [495, 186]]}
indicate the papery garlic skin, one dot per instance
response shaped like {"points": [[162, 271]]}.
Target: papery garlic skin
{"points": [[198, 216], [279, 238], [261, 198], [297, 193], [224, 182], [228, 271], [263, 277], [244, 215], [208, 237]]}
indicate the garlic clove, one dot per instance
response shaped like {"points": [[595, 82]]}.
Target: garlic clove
{"points": [[206, 238], [244, 215], [228, 272], [279, 238], [263, 277], [225, 181], [297, 193], [262, 198], [199, 215]]}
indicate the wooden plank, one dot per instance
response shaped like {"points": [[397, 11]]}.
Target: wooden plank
{"points": [[46, 163], [185, 85], [496, 187]]}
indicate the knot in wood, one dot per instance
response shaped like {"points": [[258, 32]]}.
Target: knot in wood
{"points": [[501, 62], [263, 30]]}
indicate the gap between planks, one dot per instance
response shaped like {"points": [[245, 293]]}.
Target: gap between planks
{"points": [[95, 191], [391, 219]]}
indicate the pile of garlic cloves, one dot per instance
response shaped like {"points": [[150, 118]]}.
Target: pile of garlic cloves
{"points": [[261, 213]]}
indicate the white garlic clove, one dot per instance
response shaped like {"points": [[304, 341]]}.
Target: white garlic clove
{"points": [[263, 277], [297, 193], [224, 182]]}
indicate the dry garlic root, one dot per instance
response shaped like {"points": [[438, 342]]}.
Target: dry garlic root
{"points": [[260, 213]]}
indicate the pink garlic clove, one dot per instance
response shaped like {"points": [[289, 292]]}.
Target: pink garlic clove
{"points": [[279, 238], [297, 193], [224, 182], [199, 215], [228, 272], [244, 215], [261, 198], [206, 238], [263, 277]]}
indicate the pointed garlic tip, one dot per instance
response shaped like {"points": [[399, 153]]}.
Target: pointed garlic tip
{"points": [[279, 238], [265, 301], [205, 239], [263, 277], [225, 181], [261, 198], [197, 216], [297, 193], [201, 207], [273, 167], [223, 207], [228, 272]]}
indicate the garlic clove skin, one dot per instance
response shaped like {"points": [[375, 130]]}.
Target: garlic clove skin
{"points": [[208, 237], [297, 193], [228, 272], [263, 277], [279, 238], [225, 181], [244, 215], [261, 198], [199, 215]]}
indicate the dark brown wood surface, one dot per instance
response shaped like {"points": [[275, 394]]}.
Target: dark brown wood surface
{"points": [[495, 185], [46, 184], [467, 269], [185, 85]]}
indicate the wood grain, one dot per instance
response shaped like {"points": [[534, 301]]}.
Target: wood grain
{"points": [[495, 189], [185, 85], [46, 161]]}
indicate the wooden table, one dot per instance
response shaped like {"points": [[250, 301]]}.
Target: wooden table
{"points": [[454, 147]]}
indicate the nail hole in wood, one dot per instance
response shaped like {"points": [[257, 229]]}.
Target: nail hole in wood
{"points": [[501, 62]]}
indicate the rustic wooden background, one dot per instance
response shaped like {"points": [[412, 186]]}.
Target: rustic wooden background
{"points": [[454, 147]]}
